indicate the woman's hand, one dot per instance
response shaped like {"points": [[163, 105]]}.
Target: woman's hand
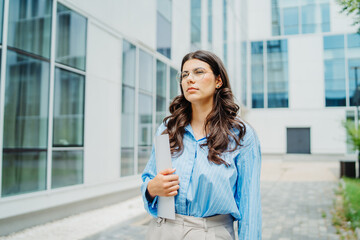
{"points": [[164, 184]]}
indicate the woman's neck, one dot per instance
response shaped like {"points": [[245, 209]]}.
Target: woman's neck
{"points": [[199, 114]]}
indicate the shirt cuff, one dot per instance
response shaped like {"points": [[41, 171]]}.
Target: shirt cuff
{"points": [[150, 206]]}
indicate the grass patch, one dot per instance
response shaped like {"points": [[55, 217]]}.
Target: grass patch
{"points": [[352, 201], [338, 217]]}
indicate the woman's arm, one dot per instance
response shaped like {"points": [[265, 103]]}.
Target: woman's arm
{"points": [[248, 196]]}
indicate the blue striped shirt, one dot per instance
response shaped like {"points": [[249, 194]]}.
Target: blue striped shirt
{"points": [[208, 189]]}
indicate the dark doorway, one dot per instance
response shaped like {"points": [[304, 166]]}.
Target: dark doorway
{"points": [[298, 140]]}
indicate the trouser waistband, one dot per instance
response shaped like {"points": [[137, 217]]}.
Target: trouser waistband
{"points": [[207, 222]]}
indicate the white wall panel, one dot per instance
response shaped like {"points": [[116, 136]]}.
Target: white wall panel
{"points": [[327, 134], [259, 17], [136, 19], [306, 72], [102, 119]]}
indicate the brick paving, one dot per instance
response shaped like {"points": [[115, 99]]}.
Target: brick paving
{"points": [[297, 197]]}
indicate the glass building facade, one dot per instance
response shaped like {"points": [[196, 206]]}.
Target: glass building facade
{"points": [[163, 27], [34, 99], [269, 88], [300, 16], [341, 66]]}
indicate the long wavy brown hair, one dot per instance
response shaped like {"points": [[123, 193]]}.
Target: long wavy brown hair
{"points": [[220, 124]]}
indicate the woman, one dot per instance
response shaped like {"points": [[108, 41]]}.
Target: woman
{"points": [[216, 160]]}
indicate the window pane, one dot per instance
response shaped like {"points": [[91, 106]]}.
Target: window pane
{"points": [[143, 158], [128, 116], [145, 130], [68, 108], [26, 102], [127, 162], [275, 18], [210, 20], [146, 71], [195, 24], [353, 54], [308, 16], [174, 83], [23, 172], [1, 19], [30, 26], [129, 61], [244, 73], [164, 19], [127, 131], [325, 17], [291, 23], [70, 38], [225, 26], [160, 91], [334, 63], [67, 168], [315, 16], [145, 120], [257, 75], [277, 73]]}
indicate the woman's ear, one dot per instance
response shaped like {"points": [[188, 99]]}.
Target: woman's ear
{"points": [[218, 82]]}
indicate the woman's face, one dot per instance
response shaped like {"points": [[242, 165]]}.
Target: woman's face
{"points": [[199, 82]]}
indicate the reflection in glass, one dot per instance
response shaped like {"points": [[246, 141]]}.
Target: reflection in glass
{"points": [[146, 71], [127, 130], [68, 108], [291, 20], [195, 24], [144, 130], [257, 75], [127, 161], [225, 26], [129, 60], [315, 17], [174, 83], [1, 19], [353, 58], [335, 93], [67, 168], [23, 171], [30, 26], [160, 91], [163, 22], [210, 22], [145, 120], [26, 102], [277, 73], [70, 38], [244, 73], [143, 157], [275, 18]]}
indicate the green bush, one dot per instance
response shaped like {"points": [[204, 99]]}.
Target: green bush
{"points": [[352, 201]]}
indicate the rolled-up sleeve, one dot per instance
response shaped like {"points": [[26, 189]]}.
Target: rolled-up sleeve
{"points": [[148, 174], [248, 197]]}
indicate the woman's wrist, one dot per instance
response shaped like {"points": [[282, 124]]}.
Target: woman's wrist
{"points": [[149, 190]]}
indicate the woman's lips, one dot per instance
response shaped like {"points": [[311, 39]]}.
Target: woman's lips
{"points": [[192, 89]]}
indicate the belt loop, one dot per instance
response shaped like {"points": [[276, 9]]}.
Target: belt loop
{"points": [[159, 221], [205, 225]]}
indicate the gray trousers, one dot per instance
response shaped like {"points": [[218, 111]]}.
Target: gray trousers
{"points": [[187, 227]]}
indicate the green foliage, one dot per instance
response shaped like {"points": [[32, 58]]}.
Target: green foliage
{"points": [[351, 7], [353, 133], [352, 201]]}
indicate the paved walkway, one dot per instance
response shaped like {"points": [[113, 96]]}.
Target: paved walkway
{"points": [[297, 196]]}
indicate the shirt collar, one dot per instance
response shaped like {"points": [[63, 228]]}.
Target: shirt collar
{"points": [[190, 130]]}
